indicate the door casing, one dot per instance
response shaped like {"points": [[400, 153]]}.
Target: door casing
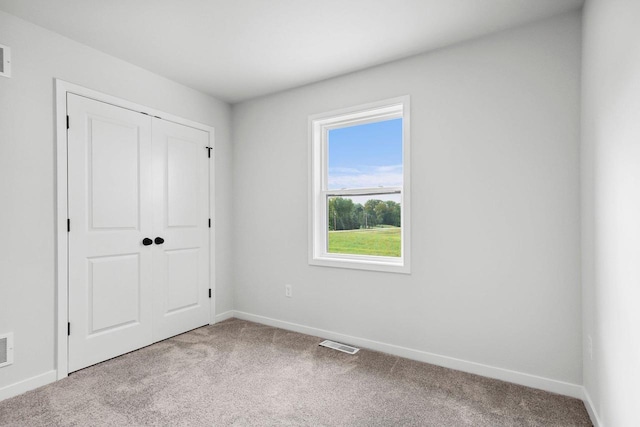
{"points": [[62, 244]]}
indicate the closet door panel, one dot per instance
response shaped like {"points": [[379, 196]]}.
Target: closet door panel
{"points": [[182, 279], [114, 281], [114, 170], [183, 180], [110, 212], [181, 215]]}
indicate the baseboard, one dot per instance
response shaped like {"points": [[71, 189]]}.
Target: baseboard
{"points": [[591, 409], [224, 316], [28, 384], [547, 384]]}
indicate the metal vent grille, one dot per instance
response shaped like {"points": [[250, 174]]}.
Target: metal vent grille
{"points": [[3, 350], [340, 347], [6, 350], [5, 61]]}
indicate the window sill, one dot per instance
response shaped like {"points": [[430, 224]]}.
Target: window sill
{"points": [[361, 264]]}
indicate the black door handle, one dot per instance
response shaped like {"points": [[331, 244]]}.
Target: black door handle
{"points": [[159, 240], [147, 241]]}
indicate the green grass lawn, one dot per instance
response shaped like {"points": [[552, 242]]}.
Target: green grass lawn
{"points": [[376, 241]]}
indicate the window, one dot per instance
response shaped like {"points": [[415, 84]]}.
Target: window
{"points": [[359, 204]]}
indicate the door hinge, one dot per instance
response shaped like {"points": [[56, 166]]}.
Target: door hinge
{"points": [[68, 328], [68, 225], [209, 292], [67, 122], [209, 151], [209, 222]]}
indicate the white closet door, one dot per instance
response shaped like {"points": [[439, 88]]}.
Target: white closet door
{"points": [[110, 209], [181, 216]]}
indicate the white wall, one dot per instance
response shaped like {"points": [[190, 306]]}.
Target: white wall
{"points": [[495, 205], [611, 208], [27, 165]]}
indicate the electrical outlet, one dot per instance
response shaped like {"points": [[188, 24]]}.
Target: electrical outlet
{"points": [[590, 347], [287, 291]]}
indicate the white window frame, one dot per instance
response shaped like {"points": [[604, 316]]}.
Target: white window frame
{"points": [[319, 127]]}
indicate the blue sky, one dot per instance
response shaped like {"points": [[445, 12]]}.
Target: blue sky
{"points": [[367, 155]]}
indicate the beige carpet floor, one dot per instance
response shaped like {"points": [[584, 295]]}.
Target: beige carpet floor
{"points": [[244, 374]]}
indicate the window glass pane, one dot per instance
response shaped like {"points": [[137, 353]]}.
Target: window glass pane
{"points": [[364, 225], [365, 156]]}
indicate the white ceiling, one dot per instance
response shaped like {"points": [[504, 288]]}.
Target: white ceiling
{"points": [[240, 49]]}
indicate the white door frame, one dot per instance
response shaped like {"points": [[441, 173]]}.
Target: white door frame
{"points": [[62, 242]]}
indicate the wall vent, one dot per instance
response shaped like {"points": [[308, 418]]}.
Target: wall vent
{"points": [[6, 349], [5, 61], [340, 347]]}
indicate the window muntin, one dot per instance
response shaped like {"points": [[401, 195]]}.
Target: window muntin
{"points": [[359, 159]]}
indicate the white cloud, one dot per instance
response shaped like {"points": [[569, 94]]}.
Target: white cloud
{"points": [[365, 177], [344, 171], [389, 168], [365, 180]]}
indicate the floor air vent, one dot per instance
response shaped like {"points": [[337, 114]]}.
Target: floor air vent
{"points": [[340, 347]]}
